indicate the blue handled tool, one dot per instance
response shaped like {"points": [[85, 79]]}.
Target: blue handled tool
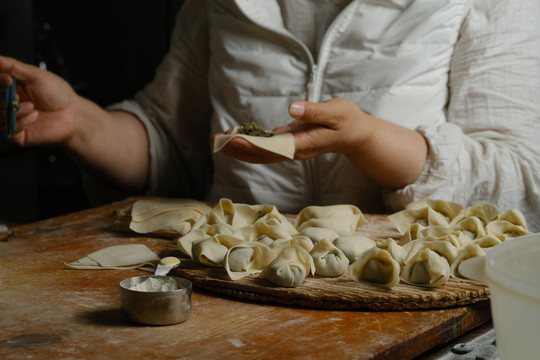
{"points": [[12, 106]]}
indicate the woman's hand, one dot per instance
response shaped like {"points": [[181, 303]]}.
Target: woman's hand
{"points": [[392, 155], [114, 145], [46, 102]]}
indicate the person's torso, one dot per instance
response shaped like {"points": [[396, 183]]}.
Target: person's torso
{"points": [[391, 57]]}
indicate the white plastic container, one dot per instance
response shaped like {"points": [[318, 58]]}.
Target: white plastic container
{"points": [[513, 274]]}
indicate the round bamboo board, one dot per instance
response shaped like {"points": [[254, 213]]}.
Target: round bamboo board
{"points": [[340, 292]]}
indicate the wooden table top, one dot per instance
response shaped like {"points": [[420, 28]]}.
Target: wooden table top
{"points": [[47, 311]]}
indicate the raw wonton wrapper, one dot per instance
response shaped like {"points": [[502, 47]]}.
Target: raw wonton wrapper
{"points": [[447, 208], [484, 211], [317, 234], [419, 232], [166, 217], [426, 268], [185, 242], [246, 258], [281, 144], [328, 259], [290, 268], [457, 239], [353, 246], [299, 240], [403, 219], [377, 266], [471, 226], [342, 219], [515, 217], [395, 250], [443, 248], [118, 257], [504, 229], [487, 242], [209, 251], [245, 222]]}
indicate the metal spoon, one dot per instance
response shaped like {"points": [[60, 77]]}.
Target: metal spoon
{"points": [[166, 264]]}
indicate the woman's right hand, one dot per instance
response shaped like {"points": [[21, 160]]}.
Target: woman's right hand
{"points": [[46, 114], [113, 145]]}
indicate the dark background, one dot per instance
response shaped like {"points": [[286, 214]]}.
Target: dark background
{"points": [[106, 50]]}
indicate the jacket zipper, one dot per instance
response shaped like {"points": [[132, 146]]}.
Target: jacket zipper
{"points": [[315, 83], [313, 89], [311, 83]]}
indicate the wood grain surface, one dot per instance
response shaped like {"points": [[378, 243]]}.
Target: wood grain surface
{"points": [[48, 312]]}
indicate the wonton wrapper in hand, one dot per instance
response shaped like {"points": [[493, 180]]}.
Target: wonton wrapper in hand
{"points": [[118, 257], [281, 144], [290, 268]]}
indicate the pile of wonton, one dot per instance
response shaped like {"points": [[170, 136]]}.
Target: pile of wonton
{"points": [[258, 240]]}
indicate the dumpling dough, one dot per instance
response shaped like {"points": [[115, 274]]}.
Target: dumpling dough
{"points": [[317, 234], [342, 219], [443, 248], [242, 221], [376, 266], [486, 212], [403, 219], [281, 144], [426, 268], [515, 217], [353, 246], [487, 242], [118, 257], [471, 226], [328, 259], [395, 250], [449, 209], [299, 240], [290, 268], [504, 229], [471, 250], [164, 217], [209, 251], [246, 258]]}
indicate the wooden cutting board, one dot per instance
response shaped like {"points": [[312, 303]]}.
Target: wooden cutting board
{"points": [[340, 292]]}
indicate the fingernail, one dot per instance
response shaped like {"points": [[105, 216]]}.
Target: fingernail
{"points": [[297, 109]]}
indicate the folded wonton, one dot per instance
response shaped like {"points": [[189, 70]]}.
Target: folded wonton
{"points": [[119, 257]]}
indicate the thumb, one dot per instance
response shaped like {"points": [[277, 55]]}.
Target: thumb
{"points": [[323, 113]]}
